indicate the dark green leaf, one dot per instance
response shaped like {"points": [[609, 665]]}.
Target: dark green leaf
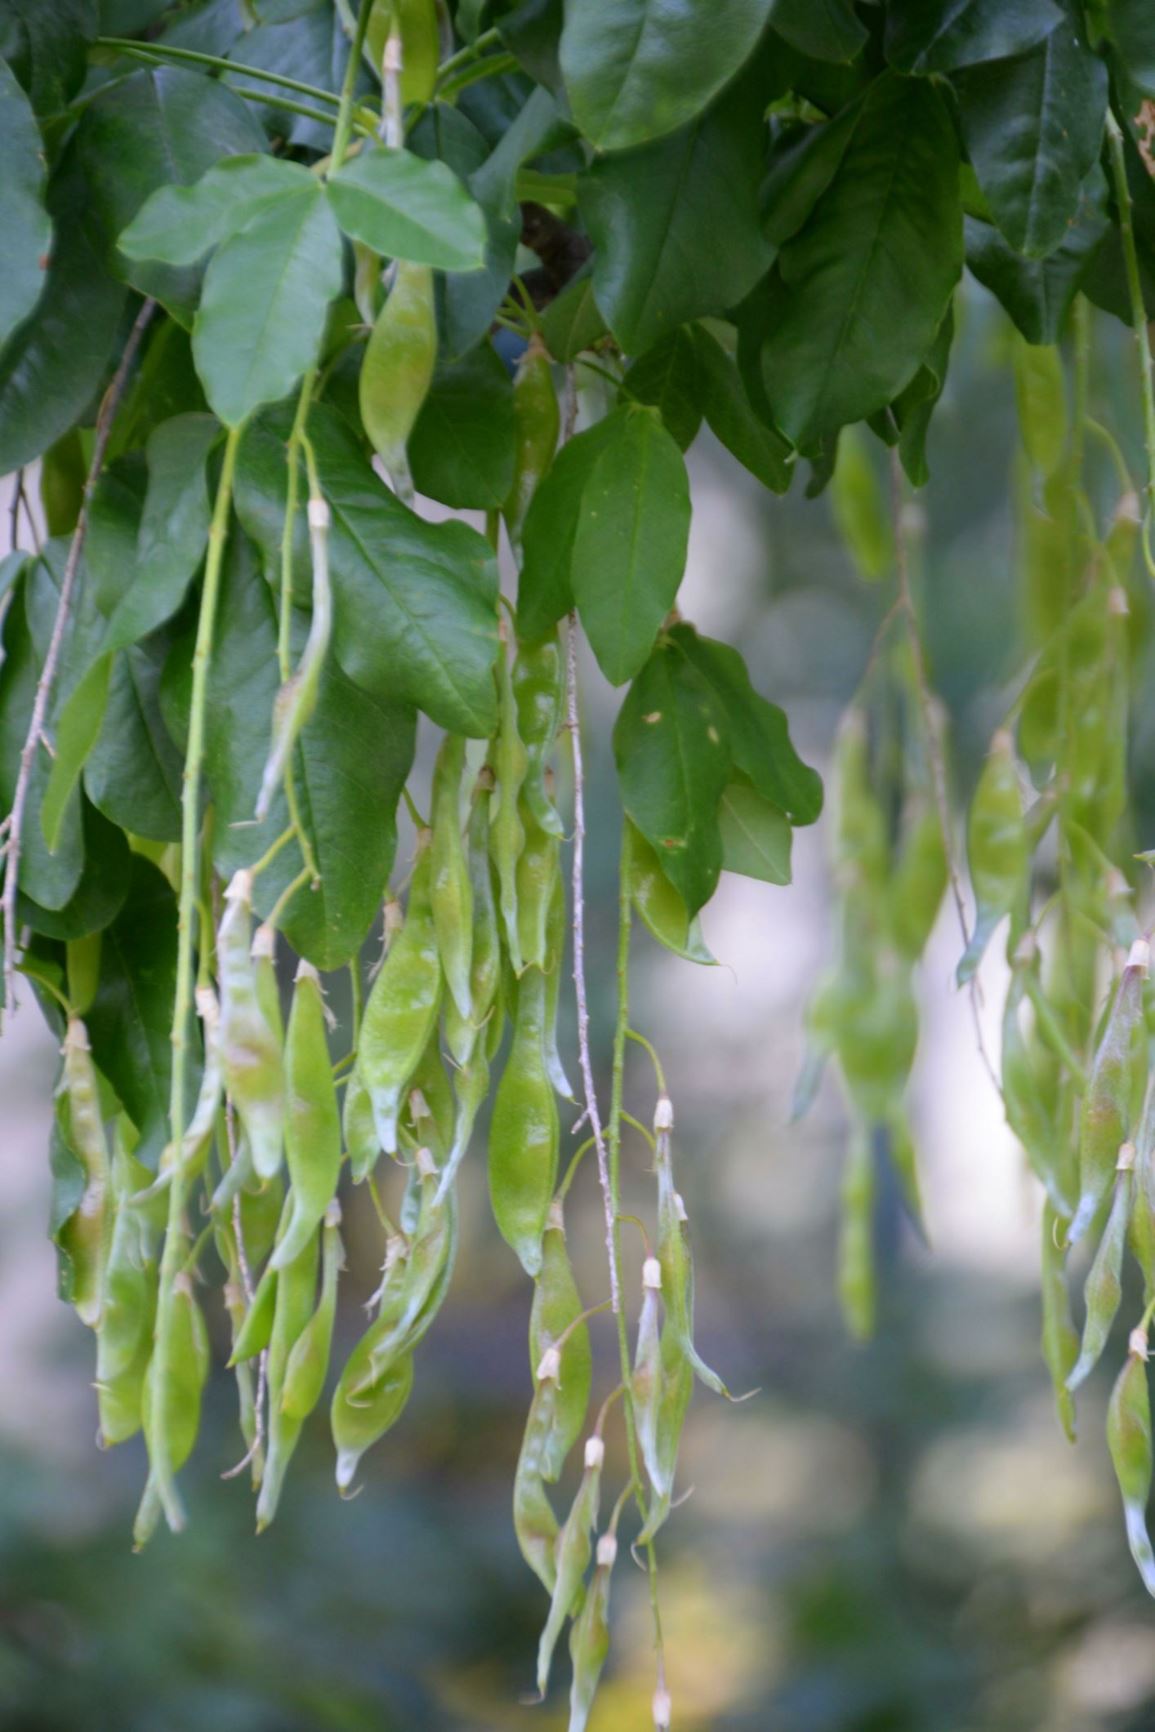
{"points": [[545, 587], [825, 29], [758, 731], [1037, 293], [52, 366], [629, 548], [46, 44], [941, 35], [173, 528], [673, 761], [676, 224], [759, 448], [1132, 26], [912, 410], [161, 125], [77, 727], [667, 379], [414, 602], [23, 219], [636, 69], [350, 767], [135, 770], [406, 207], [756, 837], [266, 296], [100, 894], [865, 283], [532, 33], [461, 450], [802, 165], [130, 1021], [308, 41], [573, 321], [1033, 127], [178, 224]]}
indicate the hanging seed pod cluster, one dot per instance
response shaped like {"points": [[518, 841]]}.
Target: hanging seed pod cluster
{"points": [[511, 259]]}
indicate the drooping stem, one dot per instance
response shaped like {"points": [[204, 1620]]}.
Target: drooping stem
{"points": [[617, 1093], [349, 88], [593, 1113], [297, 440], [1138, 316], [215, 62], [104, 420], [171, 1259]]}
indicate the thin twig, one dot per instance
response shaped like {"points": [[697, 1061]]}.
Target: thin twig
{"points": [[579, 959], [104, 420], [14, 511], [934, 744]]}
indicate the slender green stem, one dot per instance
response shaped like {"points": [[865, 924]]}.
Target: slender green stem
{"points": [[487, 40], [286, 105], [297, 440], [490, 68], [614, 1141], [193, 57], [349, 87], [1138, 313], [355, 999], [647, 1046], [171, 1258], [271, 852], [304, 876]]}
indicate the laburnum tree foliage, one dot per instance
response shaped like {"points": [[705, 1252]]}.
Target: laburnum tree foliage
{"points": [[276, 271]]}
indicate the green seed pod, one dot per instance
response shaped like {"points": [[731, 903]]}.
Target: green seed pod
{"points": [[556, 1307], [574, 1549], [659, 905], [589, 1637], [539, 692], [470, 1087], [263, 951], [877, 1034], [86, 1236], [1104, 1286], [485, 949], [556, 933], [250, 1048], [358, 1423], [413, 1283], [1105, 1116], [313, 1122], [256, 1330], [856, 1243], [1029, 1100], [919, 882], [124, 1333], [402, 1009], [674, 1253], [397, 369], [172, 1414], [1129, 1440], [661, 1387], [861, 853], [534, 1521], [507, 833], [857, 502], [430, 1110], [537, 875], [361, 1141], [293, 1308], [1060, 1341], [903, 1155], [537, 424], [297, 698], [523, 1133], [308, 1361], [997, 849], [451, 891], [1142, 1229]]}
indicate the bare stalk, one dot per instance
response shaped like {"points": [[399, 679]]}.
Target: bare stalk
{"points": [[107, 414]]}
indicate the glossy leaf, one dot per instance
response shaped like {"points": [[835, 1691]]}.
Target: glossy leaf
{"points": [[53, 364], [179, 224], [667, 378], [173, 529], [758, 731], [461, 449], [865, 283], [349, 767], [101, 890], [1033, 127], [941, 35], [266, 295], [676, 224], [1132, 27], [130, 1021], [414, 602], [1037, 293], [135, 771], [756, 836], [759, 448], [45, 43], [673, 759], [629, 548], [405, 207], [163, 124], [545, 587], [23, 219], [635, 69], [76, 732], [824, 29]]}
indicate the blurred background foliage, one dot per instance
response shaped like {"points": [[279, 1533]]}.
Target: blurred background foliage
{"points": [[894, 1538]]}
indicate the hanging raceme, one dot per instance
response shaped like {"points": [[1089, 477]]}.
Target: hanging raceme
{"points": [[212, 671]]}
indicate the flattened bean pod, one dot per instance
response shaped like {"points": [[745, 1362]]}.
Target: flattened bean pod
{"points": [[1104, 1286], [312, 1122], [556, 1307], [451, 890], [250, 1047], [1105, 1117], [539, 693], [507, 833], [1129, 1440], [85, 1237], [997, 849], [574, 1548], [293, 1307], [523, 1134], [537, 424], [402, 1009], [485, 948]]}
